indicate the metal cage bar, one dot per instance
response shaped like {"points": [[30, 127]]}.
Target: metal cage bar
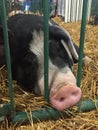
{"points": [[46, 49], [7, 51], [82, 37]]}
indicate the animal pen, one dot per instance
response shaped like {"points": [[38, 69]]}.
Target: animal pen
{"points": [[46, 112]]}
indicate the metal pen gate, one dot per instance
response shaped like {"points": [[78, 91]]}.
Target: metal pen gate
{"points": [[45, 113]]}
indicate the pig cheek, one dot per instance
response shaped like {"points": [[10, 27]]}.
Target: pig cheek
{"points": [[65, 97]]}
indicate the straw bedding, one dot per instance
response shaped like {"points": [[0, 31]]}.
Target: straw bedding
{"points": [[28, 101]]}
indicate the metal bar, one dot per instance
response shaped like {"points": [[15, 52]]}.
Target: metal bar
{"points": [[82, 37], [7, 51], [46, 49]]}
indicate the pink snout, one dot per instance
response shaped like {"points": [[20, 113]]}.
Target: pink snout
{"points": [[65, 97]]}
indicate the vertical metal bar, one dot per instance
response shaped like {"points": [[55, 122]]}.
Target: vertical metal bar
{"points": [[82, 37], [6, 44], [46, 49]]}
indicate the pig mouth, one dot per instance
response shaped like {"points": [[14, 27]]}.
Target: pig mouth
{"points": [[65, 97]]}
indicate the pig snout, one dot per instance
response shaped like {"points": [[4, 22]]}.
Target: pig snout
{"points": [[65, 97]]}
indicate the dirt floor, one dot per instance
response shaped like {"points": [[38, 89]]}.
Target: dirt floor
{"points": [[77, 121]]}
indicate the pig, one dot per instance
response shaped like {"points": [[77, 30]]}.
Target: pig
{"points": [[27, 59]]}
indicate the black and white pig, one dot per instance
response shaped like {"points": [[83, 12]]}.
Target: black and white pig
{"points": [[27, 59]]}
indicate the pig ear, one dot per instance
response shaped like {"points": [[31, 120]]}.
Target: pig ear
{"points": [[67, 49], [59, 33], [71, 47]]}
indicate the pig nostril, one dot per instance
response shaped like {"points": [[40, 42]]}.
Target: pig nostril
{"points": [[62, 99], [74, 93]]}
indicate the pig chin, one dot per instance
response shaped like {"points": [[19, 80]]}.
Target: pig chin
{"points": [[65, 97]]}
